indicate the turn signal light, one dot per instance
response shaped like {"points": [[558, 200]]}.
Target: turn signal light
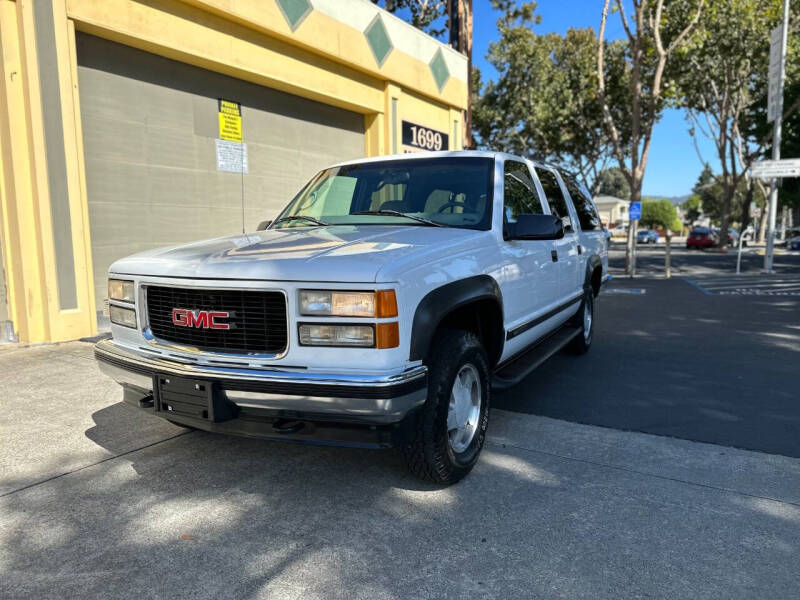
{"points": [[387, 335], [385, 304]]}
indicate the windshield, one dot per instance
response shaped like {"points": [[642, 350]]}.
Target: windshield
{"points": [[450, 192]]}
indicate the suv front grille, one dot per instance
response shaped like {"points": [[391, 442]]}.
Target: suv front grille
{"points": [[257, 319]]}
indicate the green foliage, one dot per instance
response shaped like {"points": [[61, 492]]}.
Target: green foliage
{"points": [[544, 103], [722, 77], [612, 182], [658, 213], [427, 15], [693, 208]]}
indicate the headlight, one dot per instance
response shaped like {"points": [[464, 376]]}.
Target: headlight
{"points": [[329, 303], [122, 316], [319, 334], [121, 290]]}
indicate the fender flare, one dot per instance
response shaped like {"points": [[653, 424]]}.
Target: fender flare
{"points": [[592, 263], [437, 303]]}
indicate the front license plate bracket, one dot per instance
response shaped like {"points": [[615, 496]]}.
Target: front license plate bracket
{"points": [[193, 398]]}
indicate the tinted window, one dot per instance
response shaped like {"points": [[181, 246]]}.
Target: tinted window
{"points": [[587, 214], [519, 195], [552, 191]]}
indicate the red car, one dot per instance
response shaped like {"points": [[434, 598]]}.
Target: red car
{"points": [[701, 237]]}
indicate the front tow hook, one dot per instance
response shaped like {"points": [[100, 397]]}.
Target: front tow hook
{"points": [[287, 426]]}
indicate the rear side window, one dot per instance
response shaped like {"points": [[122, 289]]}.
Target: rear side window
{"points": [[552, 191], [519, 195], [587, 214]]}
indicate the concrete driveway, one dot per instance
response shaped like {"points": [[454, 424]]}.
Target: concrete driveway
{"points": [[98, 500]]}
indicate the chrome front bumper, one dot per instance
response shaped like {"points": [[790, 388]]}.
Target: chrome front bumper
{"points": [[294, 393]]}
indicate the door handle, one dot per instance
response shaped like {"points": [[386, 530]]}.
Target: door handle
{"points": [[554, 255]]}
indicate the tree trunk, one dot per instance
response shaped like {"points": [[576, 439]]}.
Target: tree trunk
{"points": [[725, 214], [668, 255]]}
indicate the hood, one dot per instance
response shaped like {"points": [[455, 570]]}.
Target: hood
{"points": [[351, 253]]}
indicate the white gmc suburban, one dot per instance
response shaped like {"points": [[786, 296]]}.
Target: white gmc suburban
{"points": [[380, 308]]}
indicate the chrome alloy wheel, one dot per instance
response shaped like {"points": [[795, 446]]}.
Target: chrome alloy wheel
{"points": [[587, 319], [464, 410]]}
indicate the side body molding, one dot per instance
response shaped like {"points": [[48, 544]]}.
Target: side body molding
{"points": [[445, 299]]}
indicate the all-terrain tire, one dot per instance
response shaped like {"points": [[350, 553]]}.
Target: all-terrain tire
{"points": [[429, 454]]}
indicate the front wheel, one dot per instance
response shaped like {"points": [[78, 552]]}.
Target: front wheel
{"points": [[451, 426], [584, 319]]}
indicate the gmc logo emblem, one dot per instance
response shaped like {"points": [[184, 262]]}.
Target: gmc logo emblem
{"points": [[201, 319]]}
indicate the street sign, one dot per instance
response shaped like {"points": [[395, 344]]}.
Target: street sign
{"points": [[774, 93], [635, 210], [776, 169]]}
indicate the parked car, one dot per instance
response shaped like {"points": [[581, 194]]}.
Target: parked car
{"points": [[380, 308], [701, 237], [619, 231], [646, 236], [793, 239]]}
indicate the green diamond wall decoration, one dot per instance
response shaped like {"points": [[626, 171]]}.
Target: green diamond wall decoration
{"points": [[294, 11], [378, 40], [439, 69]]}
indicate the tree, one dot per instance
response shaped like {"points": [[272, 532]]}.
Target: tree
{"points": [[611, 182], [710, 192], [719, 76], [425, 14], [544, 102], [661, 213], [692, 208], [655, 33]]}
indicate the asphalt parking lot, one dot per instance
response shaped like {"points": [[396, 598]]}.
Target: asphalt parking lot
{"points": [[100, 500], [706, 356]]}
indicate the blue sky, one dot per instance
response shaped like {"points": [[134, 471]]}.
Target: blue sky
{"points": [[673, 165]]}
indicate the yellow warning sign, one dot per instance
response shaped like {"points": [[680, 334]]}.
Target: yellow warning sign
{"points": [[230, 120]]}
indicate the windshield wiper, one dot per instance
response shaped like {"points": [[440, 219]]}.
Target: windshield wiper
{"points": [[300, 218], [397, 213]]}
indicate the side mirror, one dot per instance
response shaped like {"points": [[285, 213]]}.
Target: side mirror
{"points": [[536, 227], [263, 225]]}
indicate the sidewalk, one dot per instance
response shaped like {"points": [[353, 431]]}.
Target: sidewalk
{"points": [[99, 500]]}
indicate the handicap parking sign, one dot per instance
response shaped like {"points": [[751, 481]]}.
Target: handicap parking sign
{"points": [[635, 210]]}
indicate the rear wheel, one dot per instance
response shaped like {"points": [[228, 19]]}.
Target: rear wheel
{"points": [[451, 427], [584, 319]]}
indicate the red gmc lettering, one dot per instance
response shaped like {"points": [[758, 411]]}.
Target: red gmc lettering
{"points": [[201, 319]]}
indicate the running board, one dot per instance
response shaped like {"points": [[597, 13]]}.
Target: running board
{"points": [[511, 373]]}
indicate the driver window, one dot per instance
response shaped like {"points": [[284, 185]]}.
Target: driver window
{"points": [[519, 195]]}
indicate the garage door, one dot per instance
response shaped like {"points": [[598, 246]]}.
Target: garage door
{"points": [[149, 130]]}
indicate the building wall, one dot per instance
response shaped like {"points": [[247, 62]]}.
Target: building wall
{"points": [[149, 129], [345, 54], [3, 298]]}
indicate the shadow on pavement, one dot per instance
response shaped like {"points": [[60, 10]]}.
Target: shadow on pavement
{"points": [[209, 516]]}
